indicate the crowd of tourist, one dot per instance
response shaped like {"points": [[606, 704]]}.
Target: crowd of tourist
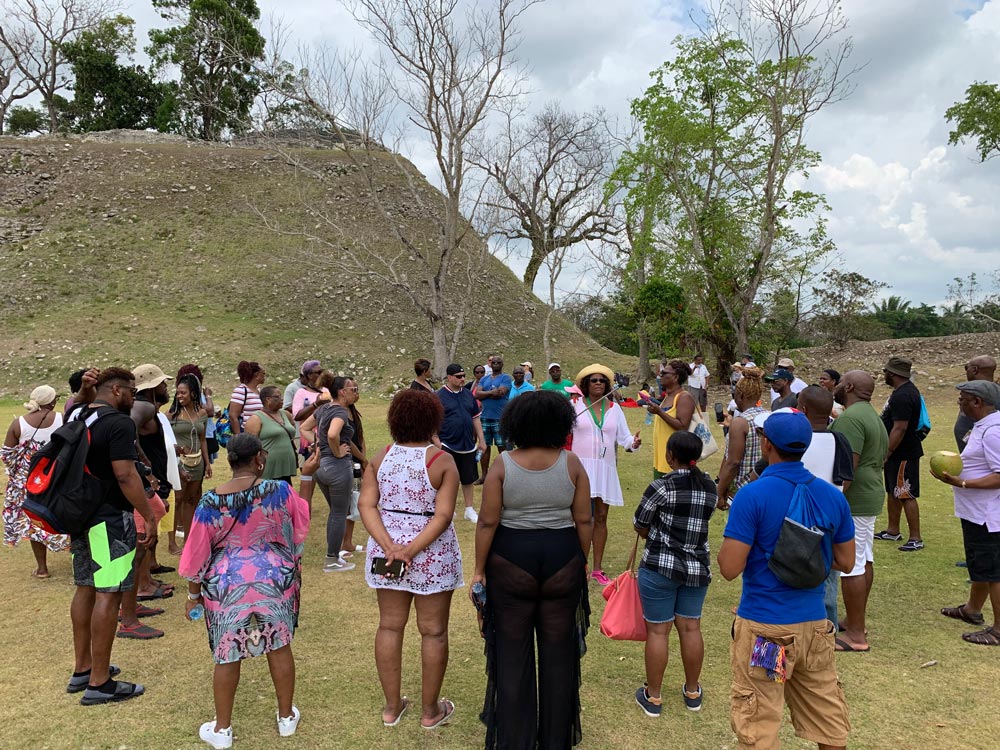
{"points": [[817, 457]]}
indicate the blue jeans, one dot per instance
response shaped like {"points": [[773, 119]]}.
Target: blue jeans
{"points": [[830, 596]]}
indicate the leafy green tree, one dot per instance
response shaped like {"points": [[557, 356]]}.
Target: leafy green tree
{"points": [[978, 117], [214, 47], [106, 94], [724, 126], [905, 321], [661, 311], [25, 121], [610, 322]]}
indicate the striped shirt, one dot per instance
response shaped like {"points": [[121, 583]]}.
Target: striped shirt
{"points": [[248, 398]]}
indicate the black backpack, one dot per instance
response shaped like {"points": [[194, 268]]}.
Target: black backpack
{"points": [[61, 495]]}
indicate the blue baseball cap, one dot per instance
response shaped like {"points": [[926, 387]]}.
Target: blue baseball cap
{"points": [[787, 429], [780, 374]]}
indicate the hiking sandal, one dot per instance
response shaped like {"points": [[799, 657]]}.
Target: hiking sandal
{"points": [[985, 637], [959, 613]]}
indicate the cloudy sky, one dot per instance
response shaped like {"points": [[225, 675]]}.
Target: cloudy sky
{"points": [[907, 208]]}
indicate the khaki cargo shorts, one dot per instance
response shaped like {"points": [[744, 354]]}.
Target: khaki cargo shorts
{"points": [[811, 689]]}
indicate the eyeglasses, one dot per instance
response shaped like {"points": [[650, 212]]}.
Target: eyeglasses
{"points": [[599, 380], [354, 389], [127, 388], [460, 375]]}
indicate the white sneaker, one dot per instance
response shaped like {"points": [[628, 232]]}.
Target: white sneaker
{"points": [[471, 515], [220, 739], [288, 724], [338, 566]]}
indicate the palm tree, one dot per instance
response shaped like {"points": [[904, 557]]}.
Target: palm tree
{"points": [[893, 304]]}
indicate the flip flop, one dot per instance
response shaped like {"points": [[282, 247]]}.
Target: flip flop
{"points": [[140, 632], [160, 569], [399, 716], [843, 646], [159, 593], [449, 711], [40, 576], [959, 613], [122, 692]]}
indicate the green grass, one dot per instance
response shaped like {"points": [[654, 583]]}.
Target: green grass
{"points": [[895, 705]]}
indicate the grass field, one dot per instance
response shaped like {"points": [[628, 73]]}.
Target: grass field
{"points": [[895, 704]]}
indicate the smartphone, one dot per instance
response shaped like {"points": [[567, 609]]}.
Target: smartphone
{"points": [[382, 567], [479, 596], [720, 415]]}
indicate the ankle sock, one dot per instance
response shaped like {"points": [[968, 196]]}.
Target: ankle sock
{"points": [[81, 674], [108, 687]]}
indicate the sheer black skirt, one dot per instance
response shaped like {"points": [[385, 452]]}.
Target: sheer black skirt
{"points": [[536, 589]]}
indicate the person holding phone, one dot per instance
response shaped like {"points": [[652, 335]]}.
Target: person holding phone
{"points": [[407, 502]]}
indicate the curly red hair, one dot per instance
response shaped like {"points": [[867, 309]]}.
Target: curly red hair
{"points": [[414, 416]]}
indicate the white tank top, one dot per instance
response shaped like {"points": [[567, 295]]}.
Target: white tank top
{"points": [[40, 435]]}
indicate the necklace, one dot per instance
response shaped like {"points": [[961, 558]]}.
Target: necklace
{"points": [[246, 476], [280, 422]]}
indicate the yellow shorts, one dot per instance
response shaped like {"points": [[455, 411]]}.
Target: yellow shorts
{"points": [[812, 691]]}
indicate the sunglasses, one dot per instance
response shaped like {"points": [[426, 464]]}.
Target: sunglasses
{"points": [[354, 389], [459, 375], [600, 380]]}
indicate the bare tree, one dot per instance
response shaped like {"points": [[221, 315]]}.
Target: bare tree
{"points": [[447, 66], [32, 35], [15, 84], [550, 177]]}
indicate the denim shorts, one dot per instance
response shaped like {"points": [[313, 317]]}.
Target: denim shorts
{"points": [[662, 598], [491, 433]]}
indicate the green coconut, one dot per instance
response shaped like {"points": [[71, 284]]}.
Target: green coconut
{"points": [[946, 461]]}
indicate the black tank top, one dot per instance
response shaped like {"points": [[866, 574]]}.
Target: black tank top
{"points": [[156, 451]]}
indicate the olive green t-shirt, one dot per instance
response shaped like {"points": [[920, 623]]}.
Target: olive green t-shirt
{"points": [[863, 428]]}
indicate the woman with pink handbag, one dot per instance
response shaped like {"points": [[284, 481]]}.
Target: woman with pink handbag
{"points": [[675, 571]]}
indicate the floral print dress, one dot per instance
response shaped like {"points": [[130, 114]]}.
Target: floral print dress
{"points": [[406, 504], [16, 525], [245, 549]]}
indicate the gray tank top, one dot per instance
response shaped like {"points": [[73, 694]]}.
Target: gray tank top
{"points": [[537, 499]]}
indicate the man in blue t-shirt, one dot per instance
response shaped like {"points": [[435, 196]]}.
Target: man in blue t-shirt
{"points": [[783, 645], [493, 390]]}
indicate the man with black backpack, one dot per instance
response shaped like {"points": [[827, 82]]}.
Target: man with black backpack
{"points": [[103, 554], [783, 644]]}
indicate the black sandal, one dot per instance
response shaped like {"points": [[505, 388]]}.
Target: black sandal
{"points": [[122, 692], [959, 613], [985, 637]]}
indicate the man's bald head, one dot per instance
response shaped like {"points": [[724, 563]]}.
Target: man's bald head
{"points": [[862, 384], [816, 402], [982, 367]]}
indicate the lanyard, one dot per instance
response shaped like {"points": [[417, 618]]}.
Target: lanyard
{"points": [[590, 410]]}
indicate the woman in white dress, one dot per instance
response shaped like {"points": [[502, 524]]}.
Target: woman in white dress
{"points": [[407, 503], [600, 427], [25, 436]]}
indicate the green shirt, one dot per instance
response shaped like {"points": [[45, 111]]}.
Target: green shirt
{"points": [[559, 387], [863, 428]]}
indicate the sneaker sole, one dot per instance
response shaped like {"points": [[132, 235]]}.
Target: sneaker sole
{"points": [[644, 709]]}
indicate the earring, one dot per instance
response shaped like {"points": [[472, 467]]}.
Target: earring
{"points": [[260, 468]]}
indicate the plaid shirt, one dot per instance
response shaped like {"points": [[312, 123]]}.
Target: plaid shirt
{"points": [[676, 514]]}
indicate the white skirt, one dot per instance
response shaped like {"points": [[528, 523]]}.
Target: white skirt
{"points": [[603, 475]]}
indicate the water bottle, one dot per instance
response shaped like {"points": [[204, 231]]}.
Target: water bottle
{"points": [[197, 613], [479, 455]]}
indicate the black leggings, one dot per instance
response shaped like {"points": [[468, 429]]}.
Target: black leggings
{"points": [[536, 588]]}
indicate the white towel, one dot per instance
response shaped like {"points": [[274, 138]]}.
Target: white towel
{"points": [[173, 474]]}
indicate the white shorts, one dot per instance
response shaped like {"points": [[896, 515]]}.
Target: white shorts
{"points": [[864, 541]]}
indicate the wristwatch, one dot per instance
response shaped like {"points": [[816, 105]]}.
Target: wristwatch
{"points": [[194, 597]]}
